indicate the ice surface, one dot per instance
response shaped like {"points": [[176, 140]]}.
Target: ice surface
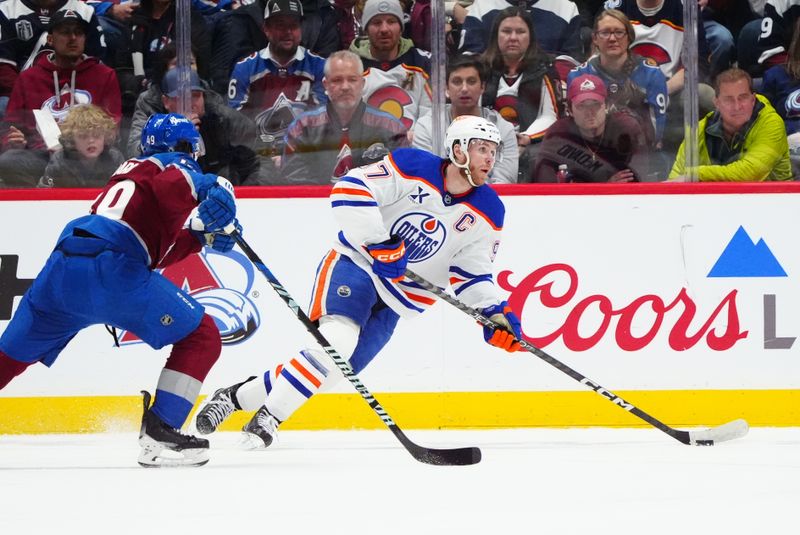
{"points": [[531, 481]]}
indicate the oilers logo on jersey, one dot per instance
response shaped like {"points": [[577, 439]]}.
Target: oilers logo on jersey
{"points": [[223, 284], [423, 234]]}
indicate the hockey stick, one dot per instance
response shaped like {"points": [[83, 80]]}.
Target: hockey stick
{"points": [[452, 457], [702, 437]]}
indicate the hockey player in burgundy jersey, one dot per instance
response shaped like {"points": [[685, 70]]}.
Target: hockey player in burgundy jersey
{"points": [[412, 207], [155, 210]]}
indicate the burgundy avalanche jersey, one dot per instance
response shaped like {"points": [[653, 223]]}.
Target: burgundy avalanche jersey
{"points": [[153, 197]]}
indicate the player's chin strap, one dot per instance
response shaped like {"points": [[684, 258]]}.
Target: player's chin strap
{"points": [[465, 167]]}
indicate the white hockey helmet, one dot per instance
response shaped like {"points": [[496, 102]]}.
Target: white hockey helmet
{"points": [[466, 128]]}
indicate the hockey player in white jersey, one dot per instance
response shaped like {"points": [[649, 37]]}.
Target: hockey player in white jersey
{"points": [[411, 208]]}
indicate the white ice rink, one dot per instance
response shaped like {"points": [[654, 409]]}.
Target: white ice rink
{"points": [[545, 482]]}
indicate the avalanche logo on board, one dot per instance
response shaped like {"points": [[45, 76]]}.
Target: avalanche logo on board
{"points": [[223, 284]]}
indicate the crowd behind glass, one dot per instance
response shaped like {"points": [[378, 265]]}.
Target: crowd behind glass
{"points": [[290, 92]]}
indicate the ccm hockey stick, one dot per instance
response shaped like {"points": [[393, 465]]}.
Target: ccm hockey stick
{"points": [[451, 457], [701, 437]]}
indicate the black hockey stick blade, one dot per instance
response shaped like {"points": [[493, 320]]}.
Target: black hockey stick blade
{"points": [[702, 437], [440, 457]]}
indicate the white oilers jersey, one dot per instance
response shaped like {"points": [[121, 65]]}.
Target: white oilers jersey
{"points": [[450, 240], [658, 37], [399, 87]]}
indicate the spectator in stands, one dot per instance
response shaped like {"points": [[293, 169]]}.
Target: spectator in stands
{"points": [[241, 32], [396, 71], [721, 43], [781, 85], [659, 27], [276, 84], [348, 21], [113, 17], [87, 156], [466, 82], [763, 42], [593, 144], [635, 84], [150, 28], [150, 101], [557, 25], [324, 144], [226, 133], [743, 140], [23, 33], [57, 80], [522, 84]]}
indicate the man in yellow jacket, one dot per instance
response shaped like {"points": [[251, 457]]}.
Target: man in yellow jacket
{"points": [[743, 141]]}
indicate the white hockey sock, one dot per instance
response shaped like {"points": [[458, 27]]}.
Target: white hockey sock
{"points": [[250, 395], [312, 370]]}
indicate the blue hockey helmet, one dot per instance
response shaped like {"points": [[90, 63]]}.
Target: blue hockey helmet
{"points": [[171, 132]]}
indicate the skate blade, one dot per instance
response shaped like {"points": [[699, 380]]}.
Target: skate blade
{"points": [[250, 442], [155, 455]]}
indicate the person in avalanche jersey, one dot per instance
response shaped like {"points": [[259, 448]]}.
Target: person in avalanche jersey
{"points": [[155, 210], [635, 84], [411, 208], [276, 84], [764, 43], [396, 71]]}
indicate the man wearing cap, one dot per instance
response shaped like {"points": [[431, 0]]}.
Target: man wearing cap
{"points": [[396, 72], [276, 84], [593, 144], [240, 32], [225, 132], [59, 79], [24, 30]]}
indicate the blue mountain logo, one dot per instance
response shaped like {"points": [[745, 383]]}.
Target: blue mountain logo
{"points": [[743, 258]]}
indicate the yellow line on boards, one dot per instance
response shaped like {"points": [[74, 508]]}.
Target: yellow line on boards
{"points": [[445, 410]]}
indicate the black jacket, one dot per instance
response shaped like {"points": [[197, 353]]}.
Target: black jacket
{"points": [[147, 36], [530, 90], [227, 134]]}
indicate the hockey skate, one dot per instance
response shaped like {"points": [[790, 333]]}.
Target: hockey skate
{"points": [[217, 408], [164, 446], [260, 431]]}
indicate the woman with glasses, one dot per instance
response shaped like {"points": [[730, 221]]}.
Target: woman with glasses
{"points": [[635, 85]]}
